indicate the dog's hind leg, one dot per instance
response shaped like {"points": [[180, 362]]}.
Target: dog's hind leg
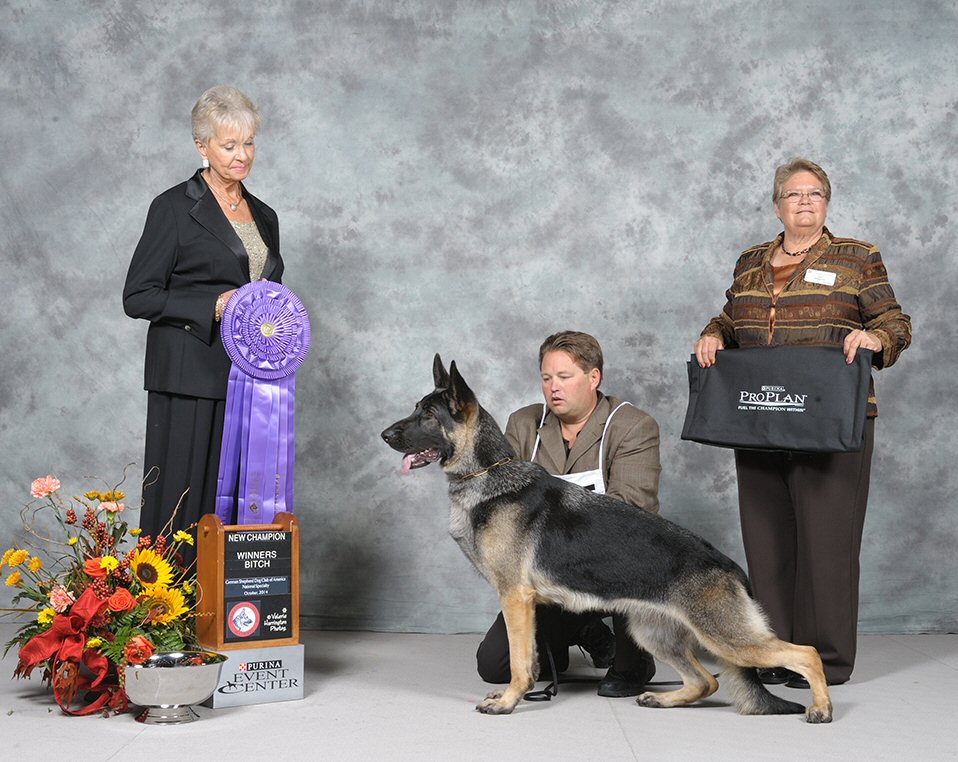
{"points": [[671, 641], [751, 697], [808, 663], [730, 624], [519, 612], [779, 653]]}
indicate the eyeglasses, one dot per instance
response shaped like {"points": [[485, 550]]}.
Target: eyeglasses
{"points": [[815, 196]]}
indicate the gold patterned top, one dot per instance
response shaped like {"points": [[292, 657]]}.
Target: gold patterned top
{"points": [[840, 286], [256, 250]]}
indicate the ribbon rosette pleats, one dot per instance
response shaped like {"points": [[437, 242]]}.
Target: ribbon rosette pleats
{"points": [[266, 333]]}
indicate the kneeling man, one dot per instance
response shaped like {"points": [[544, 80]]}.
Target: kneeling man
{"points": [[600, 443]]}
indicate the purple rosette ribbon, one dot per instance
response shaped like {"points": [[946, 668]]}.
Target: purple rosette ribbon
{"points": [[266, 333]]}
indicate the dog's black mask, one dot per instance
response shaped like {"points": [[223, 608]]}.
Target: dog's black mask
{"points": [[423, 436]]}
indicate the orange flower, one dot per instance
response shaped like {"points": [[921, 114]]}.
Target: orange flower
{"points": [[93, 569], [138, 650], [122, 600]]}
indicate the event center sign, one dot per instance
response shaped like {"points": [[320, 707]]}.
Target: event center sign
{"points": [[248, 608]]}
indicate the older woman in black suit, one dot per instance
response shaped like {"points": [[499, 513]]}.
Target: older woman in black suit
{"points": [[203, 239]]}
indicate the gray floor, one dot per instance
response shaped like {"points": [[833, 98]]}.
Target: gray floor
{"points": [[374, 696]]}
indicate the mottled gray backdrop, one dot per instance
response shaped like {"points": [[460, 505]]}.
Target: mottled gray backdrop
{"points": [[467, 177]]}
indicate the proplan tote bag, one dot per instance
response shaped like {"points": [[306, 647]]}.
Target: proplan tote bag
{"points": [[780, 398]]}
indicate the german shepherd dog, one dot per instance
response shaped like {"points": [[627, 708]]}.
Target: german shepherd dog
{"points": [[539, 539]]}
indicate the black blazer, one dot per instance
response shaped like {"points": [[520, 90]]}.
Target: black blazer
{"points": [[187, 256]]}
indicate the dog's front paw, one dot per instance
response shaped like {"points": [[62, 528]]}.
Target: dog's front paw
{"points": [[493, 704], [818, 715], [649, 699]]}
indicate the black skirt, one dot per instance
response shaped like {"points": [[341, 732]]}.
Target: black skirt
{"points": [[183, 440]]}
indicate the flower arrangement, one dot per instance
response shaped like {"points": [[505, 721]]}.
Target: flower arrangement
{"points": [[105, 597]]}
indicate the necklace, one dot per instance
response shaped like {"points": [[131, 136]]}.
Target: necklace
{"points": [[233, 207], [790, 253]]}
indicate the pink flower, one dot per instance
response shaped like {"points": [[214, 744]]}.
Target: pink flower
{"points": [[112, 507], [45, 485], [61, 599]]}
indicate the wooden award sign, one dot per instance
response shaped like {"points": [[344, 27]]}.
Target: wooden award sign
{"points": [[248, 579]]}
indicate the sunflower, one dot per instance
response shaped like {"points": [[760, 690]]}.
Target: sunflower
{"points": [[165, 604], [151, 570]]}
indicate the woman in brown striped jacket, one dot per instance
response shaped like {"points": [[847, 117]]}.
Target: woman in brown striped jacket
{"points": [[803, 513]]}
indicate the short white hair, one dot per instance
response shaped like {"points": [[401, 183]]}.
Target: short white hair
{"points": [[224, 106]]}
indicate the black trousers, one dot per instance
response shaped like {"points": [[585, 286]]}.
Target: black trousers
{"points": [[183, 440], [802, 520], [560, 630]]}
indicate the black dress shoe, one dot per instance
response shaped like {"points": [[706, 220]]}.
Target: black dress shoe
{"points": [[775, 675], [621, 684], [800, 682]]}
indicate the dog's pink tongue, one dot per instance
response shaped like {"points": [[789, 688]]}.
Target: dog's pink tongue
{"points": [[406, 464]]}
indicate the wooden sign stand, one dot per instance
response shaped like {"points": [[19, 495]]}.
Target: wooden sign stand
{"points": [[253, 569]]}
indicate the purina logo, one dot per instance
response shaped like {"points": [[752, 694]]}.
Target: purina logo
{"points": [[257, 665], [772, 397]]}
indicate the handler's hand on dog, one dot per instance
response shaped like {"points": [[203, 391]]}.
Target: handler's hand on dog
{"points": [[705, 349], [862, 339]]}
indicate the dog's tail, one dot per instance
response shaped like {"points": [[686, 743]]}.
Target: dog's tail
{"points": [[751, 697]]}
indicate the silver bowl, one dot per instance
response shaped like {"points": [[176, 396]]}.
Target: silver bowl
{"points": [[167, 684]]}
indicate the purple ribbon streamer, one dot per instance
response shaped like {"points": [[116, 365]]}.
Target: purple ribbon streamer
{"points": [[259, 427]]}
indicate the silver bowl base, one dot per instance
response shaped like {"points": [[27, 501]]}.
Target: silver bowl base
{"points": [[167, 715]]}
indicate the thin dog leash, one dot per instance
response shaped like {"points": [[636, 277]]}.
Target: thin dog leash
{"points": [[552, 689]]}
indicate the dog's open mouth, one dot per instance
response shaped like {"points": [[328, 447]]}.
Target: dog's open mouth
{"points": [[413, 460]]}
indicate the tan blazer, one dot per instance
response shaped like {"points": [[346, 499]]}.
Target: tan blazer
{"points": [[631, 468]]}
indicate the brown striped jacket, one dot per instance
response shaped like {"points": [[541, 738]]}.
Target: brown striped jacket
{"points": [[810, 313]]}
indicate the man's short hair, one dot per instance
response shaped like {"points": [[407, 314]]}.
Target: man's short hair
{"points": [[581, 347]]}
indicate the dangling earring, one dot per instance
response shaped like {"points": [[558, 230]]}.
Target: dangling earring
{"points": [[206, 163]]}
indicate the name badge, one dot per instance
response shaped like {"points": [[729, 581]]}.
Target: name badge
{"points": [[820, 276]]}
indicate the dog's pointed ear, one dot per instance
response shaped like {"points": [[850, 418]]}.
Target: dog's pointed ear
{"points": [[439, 374], [461, 395]]}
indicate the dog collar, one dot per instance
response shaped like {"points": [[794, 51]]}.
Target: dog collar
{"points": [[498, 463]]}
